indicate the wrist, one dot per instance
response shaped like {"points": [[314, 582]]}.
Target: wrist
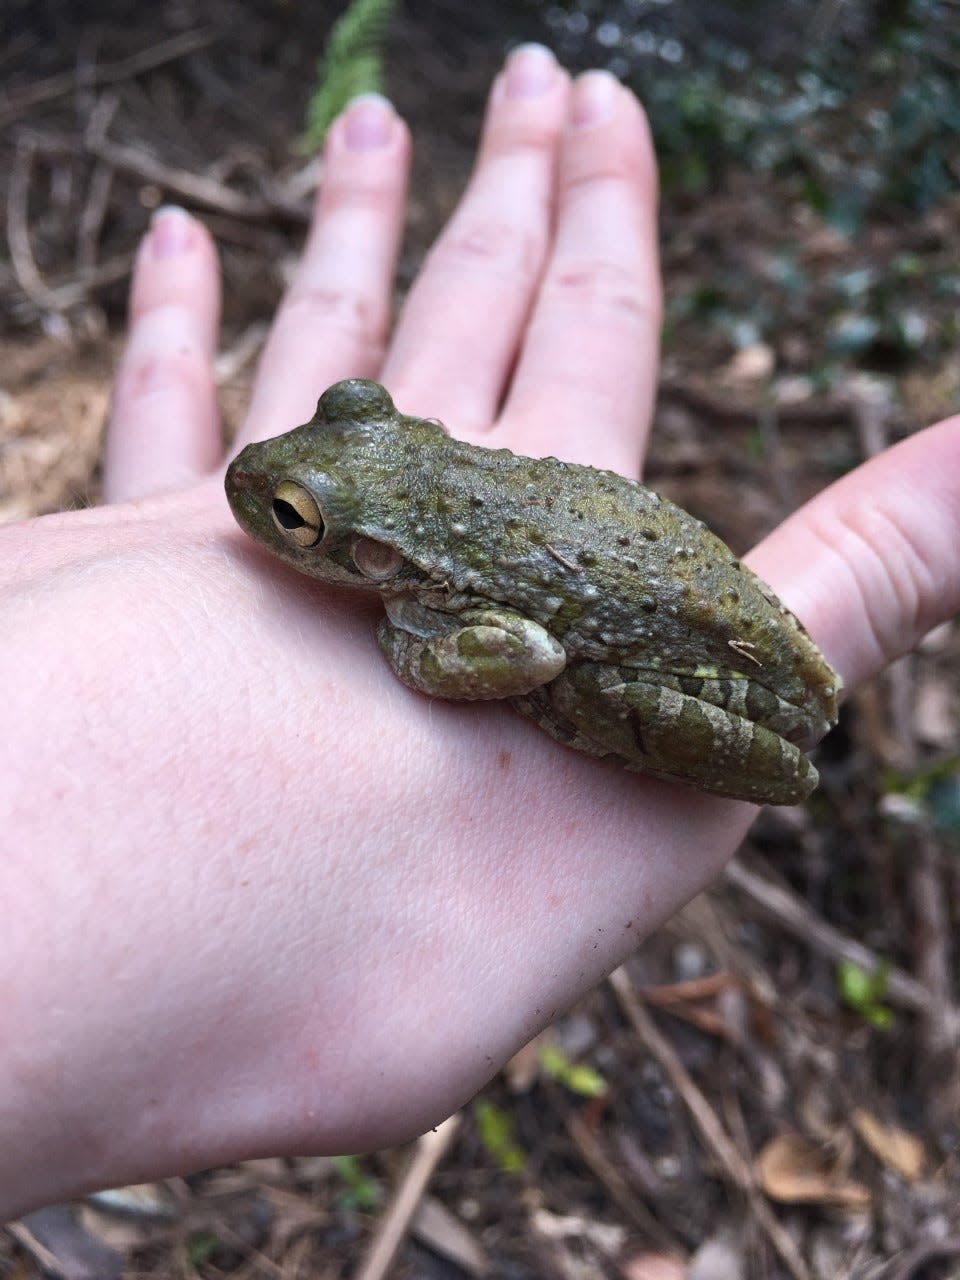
{"points": [[87, 622]]}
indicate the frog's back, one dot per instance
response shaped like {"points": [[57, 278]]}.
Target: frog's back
{"points": [[607, 565], [496, 522]]}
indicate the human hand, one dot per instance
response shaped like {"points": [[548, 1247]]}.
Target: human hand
{"points": [[296, 906]]}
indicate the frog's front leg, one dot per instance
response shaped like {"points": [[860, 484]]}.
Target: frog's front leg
{"points": [[478, 654], [629, 715]]}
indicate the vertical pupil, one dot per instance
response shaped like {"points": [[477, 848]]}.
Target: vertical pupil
{"points": [[287, 514]]}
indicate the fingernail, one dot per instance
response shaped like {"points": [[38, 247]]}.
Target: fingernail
{"points": [[529, 71], [171, 229], [594, 95], [369, 122]]}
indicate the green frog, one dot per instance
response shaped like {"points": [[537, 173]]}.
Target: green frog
{"points": [[610, 616]]}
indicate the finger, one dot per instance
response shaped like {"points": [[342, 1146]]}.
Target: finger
{"points": [[164, 427], [458, 334], [334, 319], [586, 377], [872, 564]]}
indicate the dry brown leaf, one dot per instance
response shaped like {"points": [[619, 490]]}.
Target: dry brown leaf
{"points": [[894, 1147], [793, 1171]]}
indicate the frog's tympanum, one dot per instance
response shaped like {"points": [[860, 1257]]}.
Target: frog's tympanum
{"points": [[615, 620]]}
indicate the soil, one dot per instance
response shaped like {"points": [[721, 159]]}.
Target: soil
{"points": [[748, 1109]]}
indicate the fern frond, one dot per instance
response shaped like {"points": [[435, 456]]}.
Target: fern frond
{"points": [[352, 63]]}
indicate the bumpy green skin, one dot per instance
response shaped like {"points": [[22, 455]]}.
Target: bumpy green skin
{"points": [[611, 617]]}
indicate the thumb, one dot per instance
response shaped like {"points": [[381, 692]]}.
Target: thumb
{"points": [[873, 562]]}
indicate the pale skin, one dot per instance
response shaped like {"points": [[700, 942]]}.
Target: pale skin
{"points": [[259, 897]]}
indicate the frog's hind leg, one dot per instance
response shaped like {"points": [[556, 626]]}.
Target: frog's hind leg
{"points": [[741, 696], [538, 705], [650, 727]]}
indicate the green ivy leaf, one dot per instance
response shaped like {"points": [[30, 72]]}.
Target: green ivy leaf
{"points": [[495, 1127], [360, 1191], [201, 1248], [864, 992], [578, 1078]]}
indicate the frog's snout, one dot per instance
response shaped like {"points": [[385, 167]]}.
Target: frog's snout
{"points": [[246, 489], [240, 473]]}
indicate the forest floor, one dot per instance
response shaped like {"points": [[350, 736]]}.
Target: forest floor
{"points": [[770, 1087]]}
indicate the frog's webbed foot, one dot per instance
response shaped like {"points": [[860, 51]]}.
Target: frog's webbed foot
{"points": [[656, 729], [492, 655]]}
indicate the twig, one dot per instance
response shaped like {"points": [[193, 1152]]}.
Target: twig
{"points": [[705, 988], [18, 232], [256, 1259], [705, 1119], [199, 190], [702, 916], [44, 297], [73, 291], [209, 191], [41, 1255], [909, 1263], [870, 414], [395, 1222], [795, 916], [91, 219], [204, 191], [626, 1199], [109, 73], [98, 192], [933, 945], [194, 187], [684, 1000], [836, 410]]}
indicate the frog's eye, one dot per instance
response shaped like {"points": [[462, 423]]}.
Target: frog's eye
{"points": [[296, 514]]}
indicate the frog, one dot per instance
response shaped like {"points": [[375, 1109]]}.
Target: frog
{"points": [[608, 615]]}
